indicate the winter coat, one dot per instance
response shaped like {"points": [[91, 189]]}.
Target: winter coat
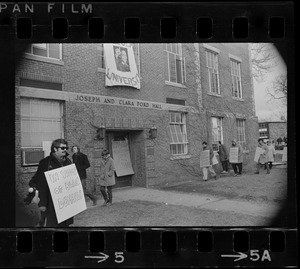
{"points": [[82, 163], [271, 153], [107, 176], [240, 153], [264, 157], [223, 153], [39, 181]]}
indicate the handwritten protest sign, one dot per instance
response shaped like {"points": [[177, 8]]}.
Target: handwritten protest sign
{"points": [[284, 154], [121, 158], [66, 192], [234, 155], [258, 152], [204, 158]]}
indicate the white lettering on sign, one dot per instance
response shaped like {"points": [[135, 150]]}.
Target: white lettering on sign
{"points": [[66, 192]]}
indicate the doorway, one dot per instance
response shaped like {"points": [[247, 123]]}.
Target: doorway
{"points": [[122, 181]]}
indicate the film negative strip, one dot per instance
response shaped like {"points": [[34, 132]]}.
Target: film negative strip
{"points": [[150, 83]]}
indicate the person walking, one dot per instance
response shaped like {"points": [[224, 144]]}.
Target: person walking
{"points": [[223, 157], [107, 178], [58, 158], [264, 156], [209, 168], [271, 154], [237, 166], [82, 163]]}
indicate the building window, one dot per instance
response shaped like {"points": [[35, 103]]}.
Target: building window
{"points": [[241, 137], [175, 64], [50, 50], [100, 58], [41, 120], [236, 78], [217, 132], [212, 65], [136, 52], [178, 135]]}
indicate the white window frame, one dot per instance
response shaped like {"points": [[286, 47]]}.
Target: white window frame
{"points": [[100, 50], [174, 50], [46, 45], [212, 64], [219, 130], [236, 78], [38, 118], [177, 129], [241, 131]]}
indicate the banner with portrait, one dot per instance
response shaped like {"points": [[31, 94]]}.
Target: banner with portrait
{"points": [[121, 68]]}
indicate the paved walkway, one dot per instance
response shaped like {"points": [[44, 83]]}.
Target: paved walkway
{"points": [[193, 200]]}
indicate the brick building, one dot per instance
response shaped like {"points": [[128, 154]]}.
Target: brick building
{"points": [[272, 129], [189, 92]]}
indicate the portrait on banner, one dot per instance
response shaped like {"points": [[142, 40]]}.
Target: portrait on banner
{"points": [[121, 68]]}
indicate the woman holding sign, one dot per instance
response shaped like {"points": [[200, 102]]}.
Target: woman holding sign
{"points": [[236, 158], [107, 178]]}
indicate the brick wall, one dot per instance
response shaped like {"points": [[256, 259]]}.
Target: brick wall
{"points": [[151, 158]]}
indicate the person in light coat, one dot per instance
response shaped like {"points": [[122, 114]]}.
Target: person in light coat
{"points": [[107, 177], [264, 156], [271, 154]]}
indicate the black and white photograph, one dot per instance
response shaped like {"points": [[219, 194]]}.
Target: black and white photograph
{"points": [[166, 135]]}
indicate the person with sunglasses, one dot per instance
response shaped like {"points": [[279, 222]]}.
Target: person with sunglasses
{"points": [[58, 158]]}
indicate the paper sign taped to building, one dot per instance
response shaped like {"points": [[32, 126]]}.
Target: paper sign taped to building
{"points": [[121, 156], [284, 154], [204, 158], [258, 152], [234, 155], [121, 69], [46, 147], [66, 192]]}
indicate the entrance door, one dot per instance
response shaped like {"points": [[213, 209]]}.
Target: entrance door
{"points": [[117, 136]]}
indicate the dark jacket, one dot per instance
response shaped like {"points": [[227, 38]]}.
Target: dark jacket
{"points": [[82, 163], [223, 153], [39, 181], [27, 215]]}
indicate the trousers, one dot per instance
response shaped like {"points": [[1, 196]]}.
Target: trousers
{"points": [[107, 193], [205, 171]]}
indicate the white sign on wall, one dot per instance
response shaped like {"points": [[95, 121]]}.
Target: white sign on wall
{"points": [[121, 69], [66, 192], [47, 147], [121, 157]]}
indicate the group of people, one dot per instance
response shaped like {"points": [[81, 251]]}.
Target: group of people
{"points": [[265, 160], [41, 206]]}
